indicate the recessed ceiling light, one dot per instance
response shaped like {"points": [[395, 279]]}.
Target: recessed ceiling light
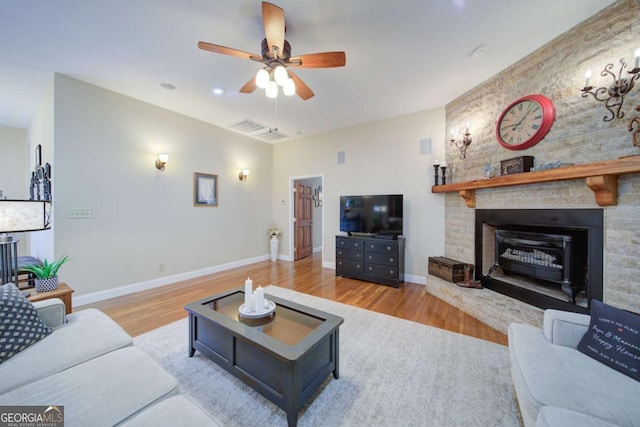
{"points": [[478, 51], [217, 91], [167, 86]]}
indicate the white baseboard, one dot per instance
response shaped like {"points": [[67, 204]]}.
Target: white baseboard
{"points": [[162, 281], [318, 249], [329, 264]]}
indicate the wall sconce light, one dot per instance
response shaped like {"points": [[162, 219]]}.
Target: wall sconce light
{"points": [[244, 173], [613, 96], [462, 143], [162, 161]]}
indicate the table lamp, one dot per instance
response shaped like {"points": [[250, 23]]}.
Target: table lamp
{"points": [[19, 216]]}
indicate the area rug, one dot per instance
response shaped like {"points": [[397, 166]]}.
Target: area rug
{"points": [[393, 372]]}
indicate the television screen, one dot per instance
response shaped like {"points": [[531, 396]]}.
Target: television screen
{"points": [[377, 214]]}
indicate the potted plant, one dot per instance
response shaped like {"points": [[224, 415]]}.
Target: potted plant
{"points": [[46, 273]]}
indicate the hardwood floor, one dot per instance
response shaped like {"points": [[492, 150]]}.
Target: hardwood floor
{"points": [[143, 311]]}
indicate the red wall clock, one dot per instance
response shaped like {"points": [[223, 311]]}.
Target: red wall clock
{"points": [[525, 122]]}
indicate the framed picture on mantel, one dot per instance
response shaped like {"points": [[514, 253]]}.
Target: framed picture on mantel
{"points": [[205, 189]]}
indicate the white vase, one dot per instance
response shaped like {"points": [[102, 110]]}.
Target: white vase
{"points": [[274, 247]]}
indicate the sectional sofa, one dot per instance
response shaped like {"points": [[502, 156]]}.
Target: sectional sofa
{"points": [[88, 364]]}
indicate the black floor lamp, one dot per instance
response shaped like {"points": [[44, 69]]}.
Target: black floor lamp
{"points": [[17, 216]]}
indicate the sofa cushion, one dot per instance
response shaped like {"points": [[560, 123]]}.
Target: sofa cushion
{"points": [[547, 374], [87, 334], [613, 339], [550, 416], [100, 392], [171, 412], [20, 325]]}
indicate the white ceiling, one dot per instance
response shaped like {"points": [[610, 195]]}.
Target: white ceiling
{"points": [[402, 55]]}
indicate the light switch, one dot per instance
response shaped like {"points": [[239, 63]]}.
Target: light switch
{"points": [[79, 213]]}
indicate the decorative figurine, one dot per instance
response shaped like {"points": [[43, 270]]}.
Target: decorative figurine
{"points": [[636, 133]]}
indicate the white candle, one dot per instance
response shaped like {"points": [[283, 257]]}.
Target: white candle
{"points": [[443, 165], [248, 291], [467, 128], [436, 162], [259, 300], [587, 76], [637, 55]]}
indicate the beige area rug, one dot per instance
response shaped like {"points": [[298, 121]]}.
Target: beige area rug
{"points": [[393, 372]]}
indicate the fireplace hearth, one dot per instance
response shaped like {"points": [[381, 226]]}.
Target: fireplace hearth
{"points": [[550, 258]]}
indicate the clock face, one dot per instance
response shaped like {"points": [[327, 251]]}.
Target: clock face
{"points": [[525, 122]]}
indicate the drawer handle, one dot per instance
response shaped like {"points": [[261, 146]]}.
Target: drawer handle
{"points": [[372, 246], [342, 242], [370, 268], [356, 245], [390, 259], [390, 271], [339, 252], [388, 248], [370, 257], [357, 265], [358, 255], [339, 262]]}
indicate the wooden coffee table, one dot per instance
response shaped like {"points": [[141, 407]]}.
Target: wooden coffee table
{"points": [[286, 358]]}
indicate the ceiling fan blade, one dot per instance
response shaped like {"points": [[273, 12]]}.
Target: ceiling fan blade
{"points": [[319, 60], [228, 51], [249, 86], [273, 20], [302, 89]]}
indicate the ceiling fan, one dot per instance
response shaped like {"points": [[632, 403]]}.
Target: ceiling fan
{"points": [[276, 57]]}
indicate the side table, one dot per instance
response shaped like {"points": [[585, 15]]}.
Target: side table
{"points": [[63, 293]]}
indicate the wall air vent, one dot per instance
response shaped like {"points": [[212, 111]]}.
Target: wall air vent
{"points": [[247, 126]]}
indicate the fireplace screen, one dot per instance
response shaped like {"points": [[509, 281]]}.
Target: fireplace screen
{"points": [[542, 256]]}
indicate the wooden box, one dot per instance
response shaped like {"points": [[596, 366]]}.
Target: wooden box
{"points": [[447, 268], [516, 165]]}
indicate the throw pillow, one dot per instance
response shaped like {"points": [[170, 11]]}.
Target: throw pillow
{"points": [[613, 338], [20, 325]]}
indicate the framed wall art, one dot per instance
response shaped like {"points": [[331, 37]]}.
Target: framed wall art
{"points": [[205, 189]]}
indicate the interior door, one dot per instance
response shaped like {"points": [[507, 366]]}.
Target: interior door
{"points": [[303, 221]]}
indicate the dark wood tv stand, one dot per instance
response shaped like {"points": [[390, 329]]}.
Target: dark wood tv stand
{"points": [[377, 260]]}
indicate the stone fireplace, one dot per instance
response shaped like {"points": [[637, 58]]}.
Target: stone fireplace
{"points": [[550, 258]]}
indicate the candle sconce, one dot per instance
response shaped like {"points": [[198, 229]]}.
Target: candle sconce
{"points": [[613, 96], [435, 173], [462, 143]]}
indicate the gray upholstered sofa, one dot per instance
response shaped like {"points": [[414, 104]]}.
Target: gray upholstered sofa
{"points": [[557, 385], [90, 366]]}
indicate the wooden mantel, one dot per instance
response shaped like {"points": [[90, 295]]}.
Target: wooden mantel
{"points": [[601, 178]]}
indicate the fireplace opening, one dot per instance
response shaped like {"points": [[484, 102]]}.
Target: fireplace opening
{"points": [[547, 258]]}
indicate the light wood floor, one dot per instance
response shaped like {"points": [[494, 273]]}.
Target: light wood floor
{"points": [[143, 311]]}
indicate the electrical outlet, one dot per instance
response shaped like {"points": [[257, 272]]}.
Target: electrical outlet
{"points": [[76, 213]]}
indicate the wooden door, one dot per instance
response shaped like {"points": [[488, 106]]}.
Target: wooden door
{"points": [[303, 224]]}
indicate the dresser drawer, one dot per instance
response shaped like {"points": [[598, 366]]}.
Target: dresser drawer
{"points": [[385, 247], [383, 259], [348, 243], [349, 254], [349, 265], [382, 271]]}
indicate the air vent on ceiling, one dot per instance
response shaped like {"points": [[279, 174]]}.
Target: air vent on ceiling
{"points": [[271, 135], [247, 126]]}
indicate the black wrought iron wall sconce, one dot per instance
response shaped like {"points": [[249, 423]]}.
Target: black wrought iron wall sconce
{"points": [[613, 96], [464, 141]]}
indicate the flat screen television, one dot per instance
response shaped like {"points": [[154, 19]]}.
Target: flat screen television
{"points": [[375, 214]]}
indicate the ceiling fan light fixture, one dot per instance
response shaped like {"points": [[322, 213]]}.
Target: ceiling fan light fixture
{"points": [[280, 75], [262, 79], [272, 90], [289, 87]]}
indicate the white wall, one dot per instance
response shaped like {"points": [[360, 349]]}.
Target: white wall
{"points": [[41, 132], [143, 220], [381, 158], [13, 163], [13, 172]]}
